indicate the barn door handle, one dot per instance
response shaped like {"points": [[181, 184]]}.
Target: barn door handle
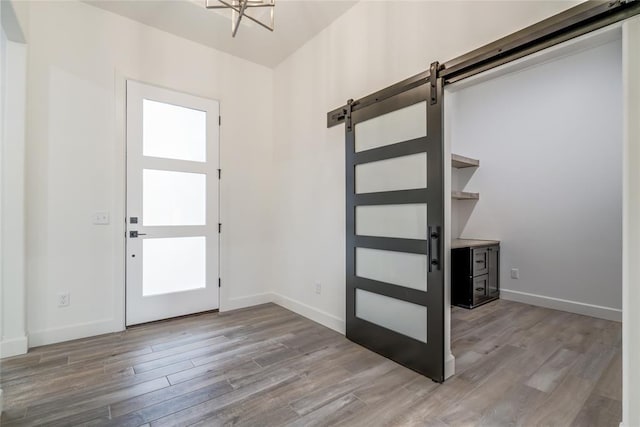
{"points": [[434, 255]]}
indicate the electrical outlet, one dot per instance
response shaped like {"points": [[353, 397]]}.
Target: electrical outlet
{"points": [[515, 273], [318, 288], [101, 218], [64, 299]]}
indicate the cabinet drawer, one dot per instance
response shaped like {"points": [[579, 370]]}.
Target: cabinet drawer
{"points": [[480, 261], [480, 288]]}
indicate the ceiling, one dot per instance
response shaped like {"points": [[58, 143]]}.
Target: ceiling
{"points": [[296, 22]]}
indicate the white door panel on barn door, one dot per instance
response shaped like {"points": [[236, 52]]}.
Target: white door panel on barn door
{"points": [[172, 204]]}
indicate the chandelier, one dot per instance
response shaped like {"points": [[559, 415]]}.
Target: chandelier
{"points": [[241, 8]]}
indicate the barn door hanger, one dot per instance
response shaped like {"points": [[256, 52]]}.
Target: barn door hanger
{"points": [[434, 71]]}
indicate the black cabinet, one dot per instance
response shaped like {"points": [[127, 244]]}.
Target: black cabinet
{"points": [[475, 272]]}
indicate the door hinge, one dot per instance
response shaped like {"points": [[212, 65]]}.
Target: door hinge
{"points": [[219, 173], [219, 282], [434, 69], [219, 120], [219, 227]]}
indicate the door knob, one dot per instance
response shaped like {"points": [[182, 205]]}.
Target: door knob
{"points": [[134, 234]]}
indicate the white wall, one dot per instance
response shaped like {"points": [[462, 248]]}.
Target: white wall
{"points": [[631, 224], [371, 46], [549, 141], [79, 57]]}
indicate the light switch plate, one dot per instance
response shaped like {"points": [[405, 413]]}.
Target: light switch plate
{"points": [[101, 218]]}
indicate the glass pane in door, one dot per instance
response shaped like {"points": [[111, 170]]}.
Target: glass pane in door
{"points": [[398, 268], [173, 132], [399, 173], [400, 316], [397, 126], [173, 198], [407, 221], [173, 265]]}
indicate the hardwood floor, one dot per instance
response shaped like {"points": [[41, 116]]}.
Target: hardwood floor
{"points": [[516, 365]]}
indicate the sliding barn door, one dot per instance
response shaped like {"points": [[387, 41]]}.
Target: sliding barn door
{"points": [[395, 221]]}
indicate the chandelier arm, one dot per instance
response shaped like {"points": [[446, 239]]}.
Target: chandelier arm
{"points": [[227, 5], [230, 6], [208, 6], [259, 23], [249, 6], [240, 15], [248, 16]]}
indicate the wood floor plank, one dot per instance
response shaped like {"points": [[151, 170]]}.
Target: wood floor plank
{"points": [[251, 412], [166, 357], [195, 413], [63, 409], [403, 407], [591, 365], [12, 414], [599, 411], [547, 377], [379, 390], [322, 396], [92, 416], [528, 362], [490, 390], [139, 402], [276, 355], [513, 406], [172, 405], [562, 405], [307, 381], [329, 414], [609, 383], [239, 348], [490, 363], [34, 369], [214, 368]]}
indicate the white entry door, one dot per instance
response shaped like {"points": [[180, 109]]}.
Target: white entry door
{"points": [[172, 203]]}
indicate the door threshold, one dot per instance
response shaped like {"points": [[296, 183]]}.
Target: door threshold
{"points": [[169, 319]]}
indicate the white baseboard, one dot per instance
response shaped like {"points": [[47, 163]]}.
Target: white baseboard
{"points": [[449, 366], [598, 311], [14, 347], [318, 316], [73, 332], [243, 302]]}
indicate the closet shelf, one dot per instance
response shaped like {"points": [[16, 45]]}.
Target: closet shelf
{"points": [[463, 195], [461, 162]]}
